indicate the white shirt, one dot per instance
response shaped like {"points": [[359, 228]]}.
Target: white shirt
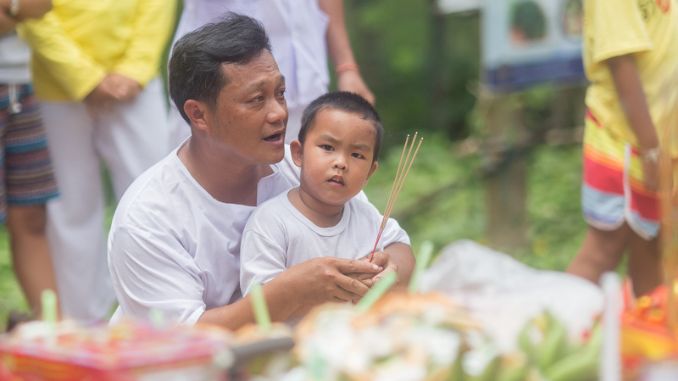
{"points": [[174, 248], [278, 236], [296, 30]]}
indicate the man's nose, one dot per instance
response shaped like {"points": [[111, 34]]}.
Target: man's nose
{"points": [[277, 112]]}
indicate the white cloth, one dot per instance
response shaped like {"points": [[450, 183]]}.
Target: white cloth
{"points": [[14, 58], [174, 248], [279, 236], [129, 138], [502, 294], [296, 30]]}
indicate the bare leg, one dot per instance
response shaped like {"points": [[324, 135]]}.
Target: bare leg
{"points": [[645, 268], [600, 252], [30, 252]]}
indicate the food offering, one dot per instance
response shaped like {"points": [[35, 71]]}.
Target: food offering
{"points": [[125, 352]]}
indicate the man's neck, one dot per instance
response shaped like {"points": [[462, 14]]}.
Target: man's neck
{"points": [[223, 174]]}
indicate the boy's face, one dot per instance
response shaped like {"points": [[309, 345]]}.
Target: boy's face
{"points": [[336, 159]]}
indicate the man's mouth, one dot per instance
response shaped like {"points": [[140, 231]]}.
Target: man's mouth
{"points": [[275, 137]]}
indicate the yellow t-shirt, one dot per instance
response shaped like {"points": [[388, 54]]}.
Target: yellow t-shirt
{"points": [[649, 30], [79, 41]]}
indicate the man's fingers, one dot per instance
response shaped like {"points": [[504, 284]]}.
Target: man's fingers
{"points": [[357, 266], [352, 286]]}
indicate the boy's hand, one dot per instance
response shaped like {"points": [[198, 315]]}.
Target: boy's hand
{"points": [[381, 259], [650, 172]]}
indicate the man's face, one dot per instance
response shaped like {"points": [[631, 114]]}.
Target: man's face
{"points": [[337, 157], [250, 114]]}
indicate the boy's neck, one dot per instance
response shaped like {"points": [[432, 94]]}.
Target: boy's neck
{"points": [[322, 215]]}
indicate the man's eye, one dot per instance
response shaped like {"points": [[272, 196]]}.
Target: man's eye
{"points": [[281, 93], [257, 99]]}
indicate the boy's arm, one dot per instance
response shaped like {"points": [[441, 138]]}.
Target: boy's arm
{"points": [[400, 260], [632, 98]]}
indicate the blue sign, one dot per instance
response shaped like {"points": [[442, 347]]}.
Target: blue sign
{"points": [[528, 42]]}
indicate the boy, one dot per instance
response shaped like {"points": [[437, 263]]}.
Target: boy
{"points": [[337, 152], [631, 61]]}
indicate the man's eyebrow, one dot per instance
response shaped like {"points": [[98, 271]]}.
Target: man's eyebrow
{"points": [[262, 83]]}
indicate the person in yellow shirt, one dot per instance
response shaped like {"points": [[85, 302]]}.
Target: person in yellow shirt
{"points": [[95, 67], [631, 61]]}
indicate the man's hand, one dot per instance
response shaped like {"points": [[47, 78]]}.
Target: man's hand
{"points": [[113, 88], [351, 80], [325, 279], [125, 88]]}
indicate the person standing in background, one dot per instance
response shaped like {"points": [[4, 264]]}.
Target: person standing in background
{"points": [[302, 33], [26, 175], [631, 60], [95, 68]]}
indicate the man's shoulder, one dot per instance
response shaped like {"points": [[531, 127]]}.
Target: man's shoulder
{"points": [[155, 190]]}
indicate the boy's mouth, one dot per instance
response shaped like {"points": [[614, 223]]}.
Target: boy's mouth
{"points": [[336, 180]]}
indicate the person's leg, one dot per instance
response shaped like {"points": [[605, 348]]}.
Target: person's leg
{"points": [[133, 136], [31, 256], [30, 183], [645, 266], [75, 219], [600, 252]]}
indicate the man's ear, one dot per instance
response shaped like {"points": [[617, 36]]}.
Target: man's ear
{"points": [[197, 113], [297, 151]]}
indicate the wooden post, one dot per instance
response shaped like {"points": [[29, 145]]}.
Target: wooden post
{"points": [[505, 188]]}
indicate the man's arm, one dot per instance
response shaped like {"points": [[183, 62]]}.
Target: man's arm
{"points": [[632, 98], [298, 289], [348, 73]]}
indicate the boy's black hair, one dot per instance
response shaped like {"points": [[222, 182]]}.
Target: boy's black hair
{"points": [[195, 66], [344, 101]]}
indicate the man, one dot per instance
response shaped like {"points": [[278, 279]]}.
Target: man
{"points": [[175, 240], [96, 71], [302, 34]]}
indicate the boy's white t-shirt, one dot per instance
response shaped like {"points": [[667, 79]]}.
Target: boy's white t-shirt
{"points": [[278, 236], [174, 248]]}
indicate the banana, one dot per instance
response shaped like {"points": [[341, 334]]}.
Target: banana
{"points": [[525, 341], [514, 368], [579, 366], [554, 344]]}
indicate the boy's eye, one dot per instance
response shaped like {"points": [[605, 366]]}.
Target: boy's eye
{"points": [[326, 147], [358, 155]]}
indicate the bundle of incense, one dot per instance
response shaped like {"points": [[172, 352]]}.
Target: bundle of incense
{"points": [[401, 173]]}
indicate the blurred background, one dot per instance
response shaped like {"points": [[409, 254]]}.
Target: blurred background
{"points": [[500, 163]]}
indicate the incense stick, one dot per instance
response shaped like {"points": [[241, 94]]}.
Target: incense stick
{"points": [[401, 173]]}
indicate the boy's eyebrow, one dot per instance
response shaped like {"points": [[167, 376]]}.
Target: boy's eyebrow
{"points": [[333, 140], [362, 146]]}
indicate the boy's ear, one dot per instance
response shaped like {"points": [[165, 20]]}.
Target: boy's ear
{"points": [[297, 152], [197, 113], [375, 165]]}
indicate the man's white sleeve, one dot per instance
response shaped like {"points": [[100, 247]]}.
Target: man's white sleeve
{"points": [[154, 272]]}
